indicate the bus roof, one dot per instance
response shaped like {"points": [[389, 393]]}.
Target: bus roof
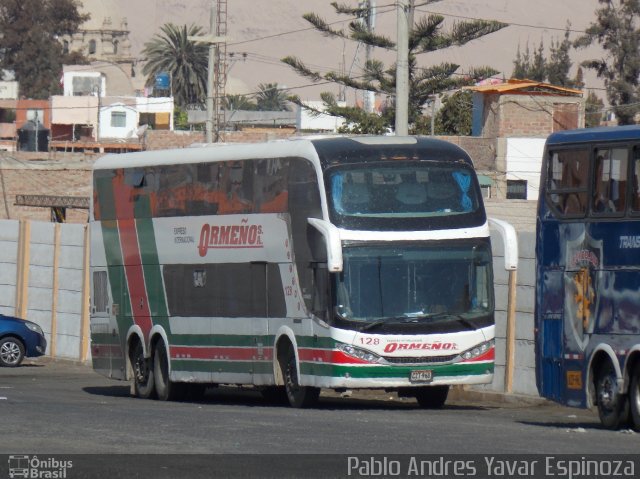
{"points": [[586, 135], [364, 148], [331, 151]]}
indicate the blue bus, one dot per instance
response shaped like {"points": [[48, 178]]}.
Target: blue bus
{"points": [[587, 308]]}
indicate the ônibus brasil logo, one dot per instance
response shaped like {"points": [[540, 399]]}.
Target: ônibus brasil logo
{"points": [[230, 236]]}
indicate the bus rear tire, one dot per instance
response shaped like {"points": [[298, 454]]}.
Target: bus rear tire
{"points": [[634, 397], [143, 381], [432, 397], [166, 390], [298, 396], [613, 407]]}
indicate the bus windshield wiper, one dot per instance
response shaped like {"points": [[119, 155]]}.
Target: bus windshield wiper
{"points": [[381, 321], [393, 319], [456, 316]]}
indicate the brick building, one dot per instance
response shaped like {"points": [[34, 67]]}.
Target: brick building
{"points": [[517, 116]]}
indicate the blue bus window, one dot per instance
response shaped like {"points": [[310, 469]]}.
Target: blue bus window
{"points": [[635, 201], [610, 180]]}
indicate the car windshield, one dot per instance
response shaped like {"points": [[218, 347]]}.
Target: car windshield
{"points": [[402, 189], [414, 283]]}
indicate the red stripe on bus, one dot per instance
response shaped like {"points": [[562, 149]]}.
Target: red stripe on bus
{"points": [[131, 256], [221, 353], [330, 356], [135, 275]]}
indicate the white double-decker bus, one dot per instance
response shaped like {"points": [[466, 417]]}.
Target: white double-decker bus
{"points": [[295, 265]]}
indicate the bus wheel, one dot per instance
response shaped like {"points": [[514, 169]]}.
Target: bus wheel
{"points": [[634, 397], [143, 384], [298, 396], [613, 407], [432, 397], [165, 389]]}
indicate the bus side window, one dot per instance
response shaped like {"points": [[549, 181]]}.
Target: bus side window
{"points": [[635, 199], [610, 181], [568, 181]]}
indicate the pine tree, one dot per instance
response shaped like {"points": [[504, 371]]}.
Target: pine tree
{"points": [[593, 110], [521, 64], [538, 70], [559, 63], [426, 35], [454, 118], [617, 31]]}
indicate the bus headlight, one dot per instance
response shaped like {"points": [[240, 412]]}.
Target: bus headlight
{"points": [[358, 353], [478, 350]]}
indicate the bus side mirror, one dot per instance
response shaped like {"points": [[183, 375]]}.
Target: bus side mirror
{"points": [[510, 241], [331, 235]]}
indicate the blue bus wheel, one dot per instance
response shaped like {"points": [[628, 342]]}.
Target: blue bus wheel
{"points": [[613, 406]]}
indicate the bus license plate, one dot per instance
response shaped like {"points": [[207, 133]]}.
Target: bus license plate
{"points": [[421, 376]]}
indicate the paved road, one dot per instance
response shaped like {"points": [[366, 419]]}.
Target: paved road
{"points": [[62, 408]]}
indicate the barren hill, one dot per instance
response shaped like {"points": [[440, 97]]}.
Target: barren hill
{"points": [[263, 31]]}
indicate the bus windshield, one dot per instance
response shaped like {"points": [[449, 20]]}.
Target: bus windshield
{"points": [[414, 283], [401, 189]]}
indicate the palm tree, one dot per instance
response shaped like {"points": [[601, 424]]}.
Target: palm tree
{"points": [[270, 98], [186, 62], [238, 102]]}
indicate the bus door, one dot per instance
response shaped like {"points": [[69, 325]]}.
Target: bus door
{"points": [[104, 330]]}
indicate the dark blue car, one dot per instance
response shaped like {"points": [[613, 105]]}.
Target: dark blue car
{"points": [[19, 338]]}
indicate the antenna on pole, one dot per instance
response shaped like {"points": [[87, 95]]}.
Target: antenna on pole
{"points": [[217, 69]]}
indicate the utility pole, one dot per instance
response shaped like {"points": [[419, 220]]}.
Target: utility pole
{"points": [[402, 69], [370, 23], [216, 70], [213, 16]]}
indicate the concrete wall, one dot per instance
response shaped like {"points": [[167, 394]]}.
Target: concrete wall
{"points": [[524, 379], [52, 292], [8, 261]]}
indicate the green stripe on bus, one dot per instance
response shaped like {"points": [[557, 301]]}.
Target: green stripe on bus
{"points": [[106, 203], [316, 342], [104, 338], [230, 340], [247, 367], [243, 340], [316, 369], [152, 270]]}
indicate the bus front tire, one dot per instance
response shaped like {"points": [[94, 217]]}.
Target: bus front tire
{"points": [[166, 390], [143, 381], [298, 396], [432, 397], [613, 407], [634, 397]]}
